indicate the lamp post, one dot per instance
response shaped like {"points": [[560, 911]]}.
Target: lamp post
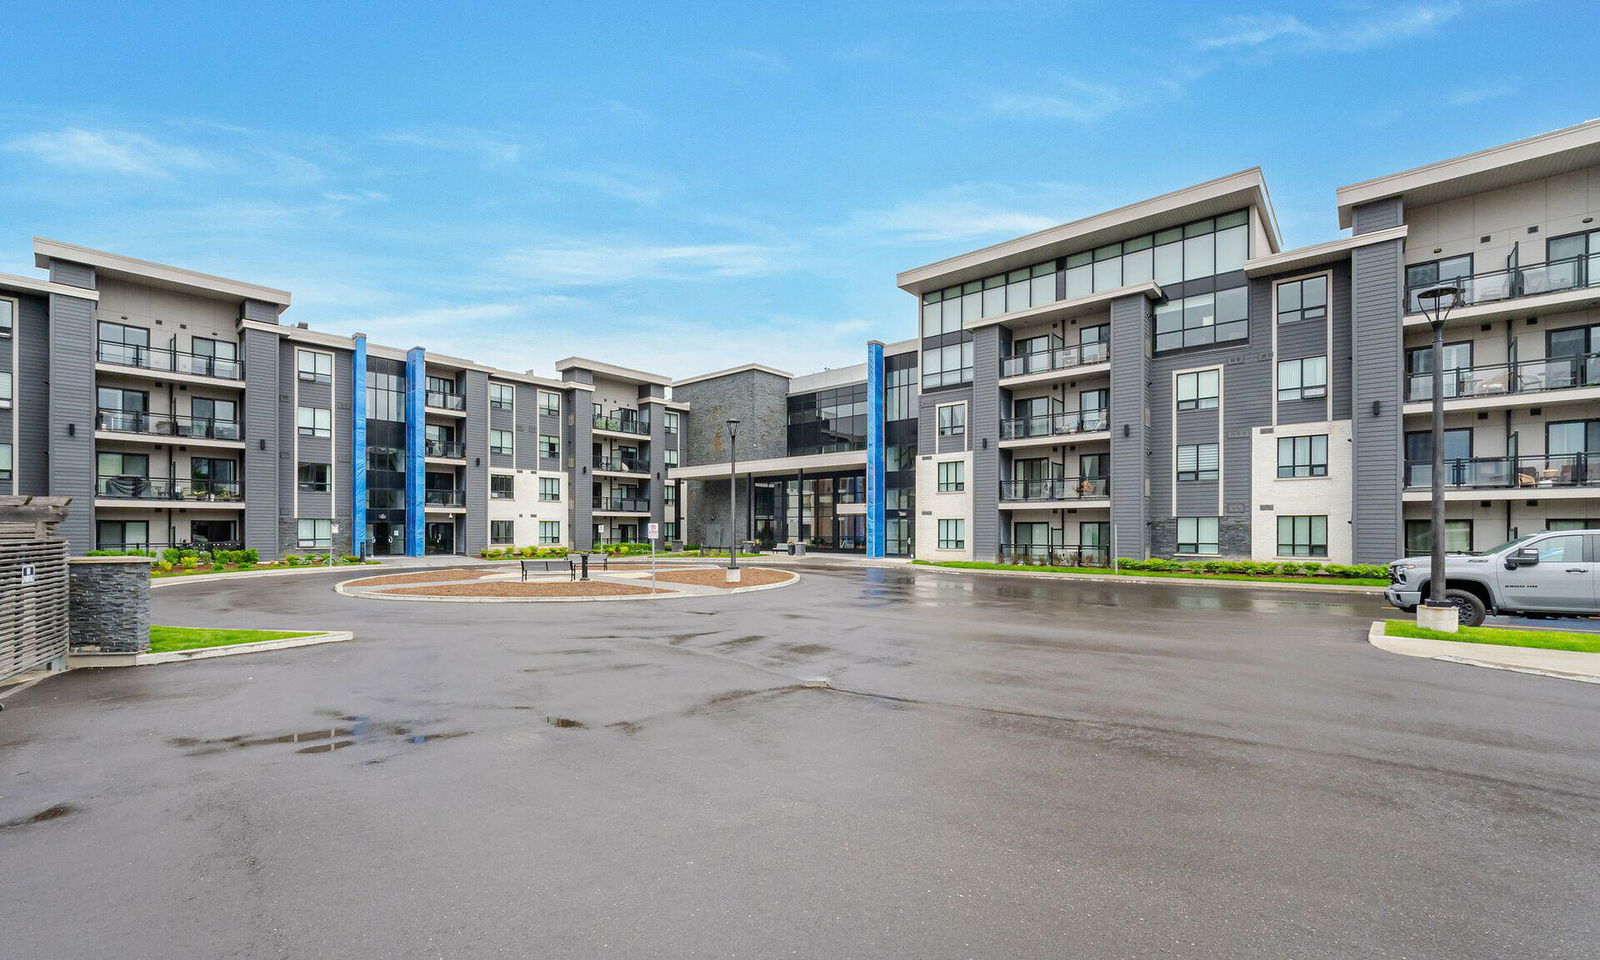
{"points": [[1435, 612], [733, 500]]}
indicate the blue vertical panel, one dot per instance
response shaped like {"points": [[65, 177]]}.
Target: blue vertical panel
{"points": [[358, 449], [416, 401], [876, 526]]}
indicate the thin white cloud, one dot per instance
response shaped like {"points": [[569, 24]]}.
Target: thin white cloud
{"points": [[491, 149], [635, 186], [1467, 96], [588, 262], [1361, 28], [1066, 99], [759, 61], [110, 151], [968, 212]]}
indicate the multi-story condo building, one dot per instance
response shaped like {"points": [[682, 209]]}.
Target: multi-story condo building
{"points": [[1163, 379]]}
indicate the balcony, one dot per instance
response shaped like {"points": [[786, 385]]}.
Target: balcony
{"points": [[445, 498], [621, 505], [439, 400], [1054, 425], [618, 422], [1523, 474], [1050, 361], [1515, 283], [621, 465], [163, 360], [1054, 555], [168, 425], [160, 488], [1055, 489], [444, 449], [1504, 379]]}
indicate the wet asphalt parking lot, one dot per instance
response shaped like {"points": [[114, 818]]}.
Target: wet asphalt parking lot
{"points": [[1005, 768]]}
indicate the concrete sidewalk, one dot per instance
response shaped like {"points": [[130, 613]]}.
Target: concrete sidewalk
{"points": [[1564, 664]]}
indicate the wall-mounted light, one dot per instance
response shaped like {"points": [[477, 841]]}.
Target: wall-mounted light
{"points": [[477, 461], [263, 442], [1127, 431], [72, 429], [984, 442], [1377, 407]]}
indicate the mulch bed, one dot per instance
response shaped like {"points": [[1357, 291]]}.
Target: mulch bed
{"points": [[594, 588], [717, 577], [437, 576]]}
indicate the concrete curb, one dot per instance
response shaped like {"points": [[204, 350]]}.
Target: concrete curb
{"points": [[1561, 664], [99, 660], [156, 582], [377, 594], [1187, 581]]}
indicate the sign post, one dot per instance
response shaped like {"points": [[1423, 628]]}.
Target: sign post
{"points": [[333, 532], [652, 531]]}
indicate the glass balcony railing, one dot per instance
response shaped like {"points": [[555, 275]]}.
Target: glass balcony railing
{"points": [[622, 504], [445, 498], [1060, 358], [621, 464], [160, 488], [1513, 283], [440, 400], [1524, 376], [1054, 555], [1544, 471], [1054, 425], [164, 360], [448, 449], [1055, 488], [622, 423], [168, 425]]}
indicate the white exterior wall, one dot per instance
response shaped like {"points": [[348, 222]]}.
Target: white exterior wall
{"points": [[526, 509], [1556, 205], [181, 314], [933, 506], [1304, 496]]}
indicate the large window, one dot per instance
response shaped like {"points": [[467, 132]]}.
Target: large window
{"points": [[1421, 276], [947, 366], [502, 396], [1303, 379], [549, 488], [1419, 537], [386, 396], [315, 367], [1570, 437], [669, 493], [502, 486], [5, 391], [1198, 390], [1574, 260], [8, 311], [5, 463], [952, 476], [315, 422], [1196, 250], [314, 533], [1203, 319], [122, 534], [952, 534], [502, 531], [1197, 461], [549, 403], [1197, 535], [669, 457], [1303, 299], [944, 311], [952, 419], [314, 477], [549, 531], [500, 441], [549, 447], [828, 421], [1303, 456], [1303, 536]]}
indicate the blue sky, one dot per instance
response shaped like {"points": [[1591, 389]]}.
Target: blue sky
{"points": [[684, 187]]}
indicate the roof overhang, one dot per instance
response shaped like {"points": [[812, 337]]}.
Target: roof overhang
{"points": [[155, 274], [612, 372], [775, 466], [742, 368], [30, 285], [1546, 155], [1247, 188], [1321, 254]]}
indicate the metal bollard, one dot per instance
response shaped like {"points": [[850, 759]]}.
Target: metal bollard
{"points": [[585, 567]]}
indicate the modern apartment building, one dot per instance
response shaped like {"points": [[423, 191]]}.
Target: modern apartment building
{"points": [[178, 408], [1163, 379]]}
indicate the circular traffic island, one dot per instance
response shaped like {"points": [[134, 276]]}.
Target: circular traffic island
{"points": [[622, 582]]}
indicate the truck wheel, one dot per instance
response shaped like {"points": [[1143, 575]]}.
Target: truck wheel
{"points": [[1472, 611]]}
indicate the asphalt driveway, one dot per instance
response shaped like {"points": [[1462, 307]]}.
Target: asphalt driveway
{"points": [[1004, 768]]}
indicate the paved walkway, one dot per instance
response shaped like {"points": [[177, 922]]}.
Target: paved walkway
{"points": [[1566, 664]]}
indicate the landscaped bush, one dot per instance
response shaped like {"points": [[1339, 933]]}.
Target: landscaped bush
{"points": [[189, 563], [119, 553], [625, 549]]}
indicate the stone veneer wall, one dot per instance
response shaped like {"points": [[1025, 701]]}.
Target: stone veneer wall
{"points": [[110, 604]]}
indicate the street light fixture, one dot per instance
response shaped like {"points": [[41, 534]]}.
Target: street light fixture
{"points": [[1435, 612], [733, 501]]}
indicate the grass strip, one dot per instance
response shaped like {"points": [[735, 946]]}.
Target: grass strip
{"points": [[172, 639], [1542, 639]]}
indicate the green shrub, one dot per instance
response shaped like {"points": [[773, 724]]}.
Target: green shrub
{"points": [[164, 566], [189, 563], [291, 560]]}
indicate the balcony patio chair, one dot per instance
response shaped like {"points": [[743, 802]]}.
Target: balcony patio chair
{"points": [[1488, 386]]}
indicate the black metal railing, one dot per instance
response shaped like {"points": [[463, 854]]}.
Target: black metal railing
{"points": [[445, 498], [157, 547], [619, 422], [160, 488], [1511, 283], [622, 504], [168, 425], [165, 360], [1058, 358], [1499, 473], [440, 400], [1497, 379], [1054, 555], [1054, 425], [621, 464], [449, 449], [1056, 488]]}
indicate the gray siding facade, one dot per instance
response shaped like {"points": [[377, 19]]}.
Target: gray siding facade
{"points": [[1130, 367], [72, 409], [264, 444], [476, 472]]}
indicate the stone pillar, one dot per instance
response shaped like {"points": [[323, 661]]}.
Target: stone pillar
{"points": [[110, 604]]}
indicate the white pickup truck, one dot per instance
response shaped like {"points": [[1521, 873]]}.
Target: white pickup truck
{"points": [[1552, 572]]}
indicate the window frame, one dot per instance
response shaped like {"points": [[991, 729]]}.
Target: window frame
{"points": [[7, 389], [8, 463], [316, 375], [496, 527], [1195, 329], [1196, 466], [324, 485], [547, 539], [316, 428], [545, 407], [1300, 311], [1199, 400], [507, 391], [1307, 467], [8, 316], [1302, 390], [510, 493], [510, 438], [544, 485], [315, 541], [952, 533], [548, 450], [1310, 548], [955, 484], [946, 419], [1197, 543]]}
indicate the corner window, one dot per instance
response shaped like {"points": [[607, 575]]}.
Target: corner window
{"points": [[549, 403], [500, 441], [1303, 456], [1198, 390], [315, 422], [1197, 461], [1197, 535], [1303, 379], [1303, 300], [1303, 536], [952, 534], [315, 367], [314, 477], [952, 476], [952, 419], [314, 533], [502, 396], [549, 488], [502, 531], [502, 486]]}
